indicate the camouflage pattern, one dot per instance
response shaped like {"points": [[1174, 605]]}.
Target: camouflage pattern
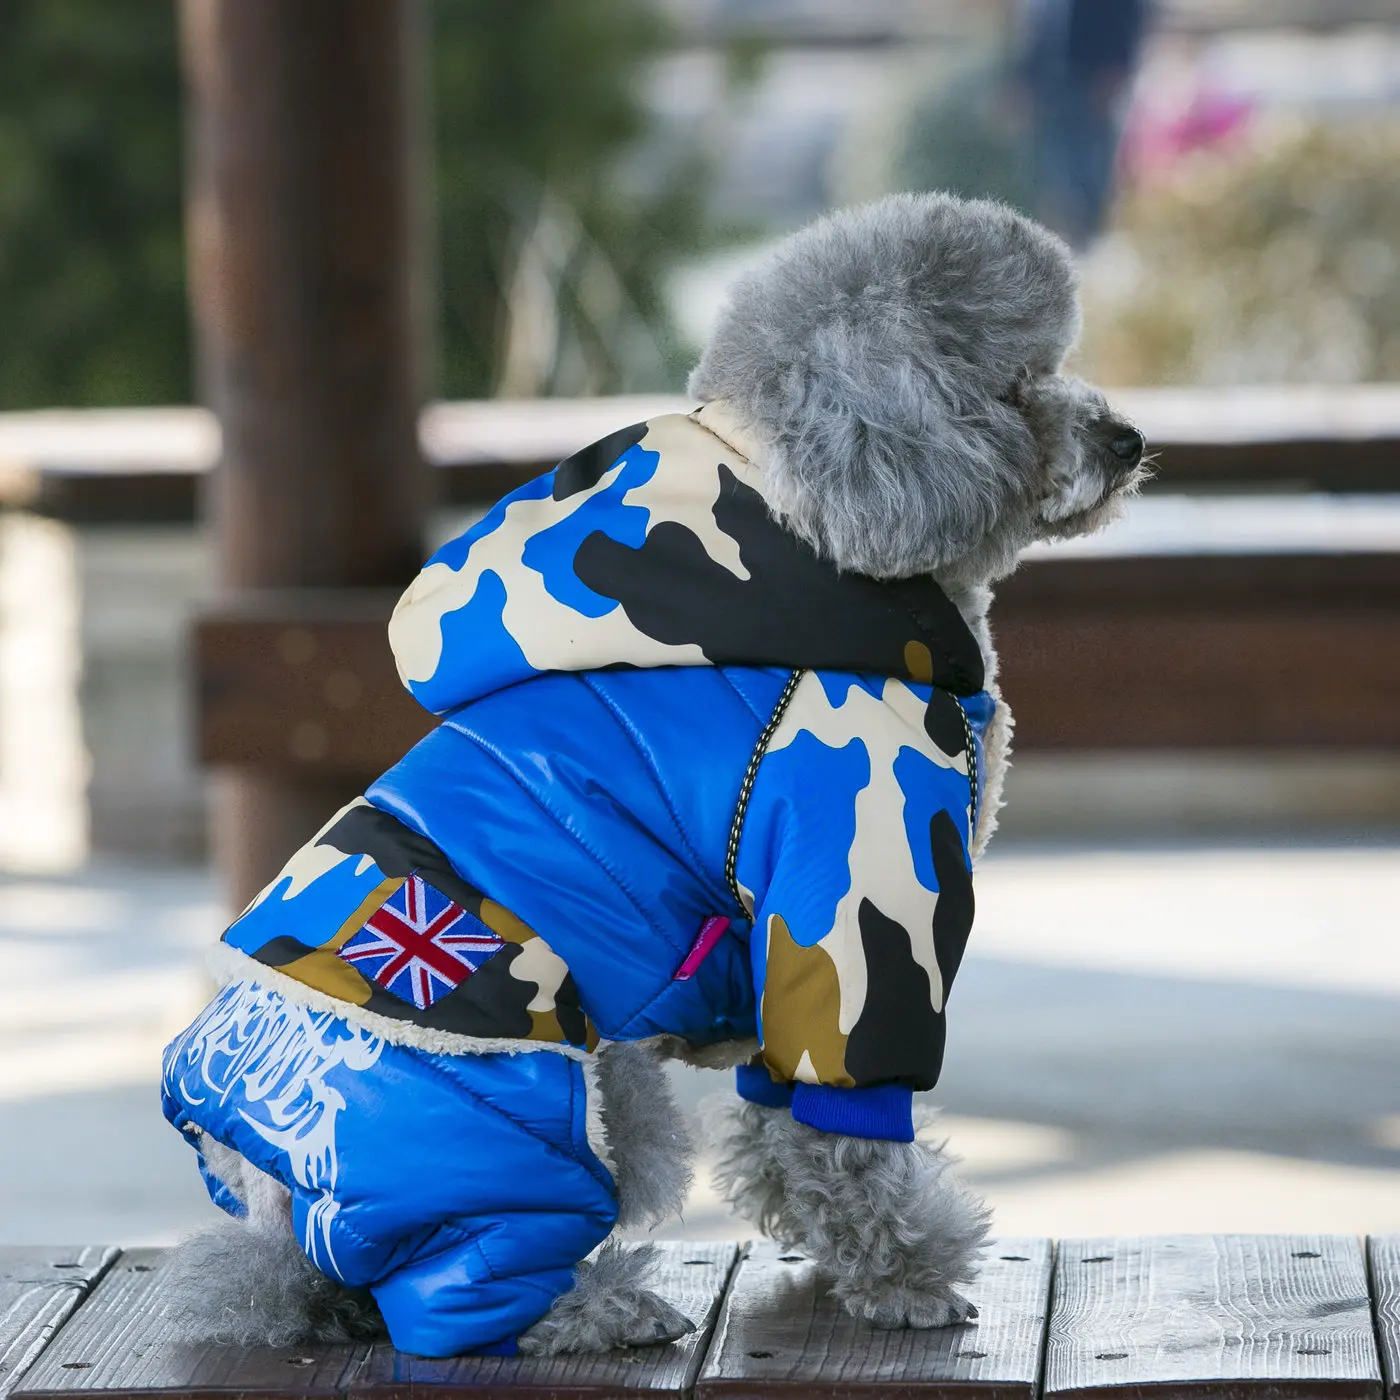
{"points": [[343, 874], [856, 955], [653, 549]]}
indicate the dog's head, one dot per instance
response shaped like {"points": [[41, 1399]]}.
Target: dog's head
{"points": [[899, 365]]}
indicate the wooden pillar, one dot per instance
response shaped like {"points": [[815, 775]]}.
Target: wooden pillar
{"points": [[305, 254]]}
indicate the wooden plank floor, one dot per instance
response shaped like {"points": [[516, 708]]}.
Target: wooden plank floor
{"points": [[120, 1343], [1384, 1252], [1215, 1317], [1286, 1317], [39, 1288], [781, 1331]]}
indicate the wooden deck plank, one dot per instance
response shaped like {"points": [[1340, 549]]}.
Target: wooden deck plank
{"points": [[119, 1344], [39, 1288], [1384, 1251], [781, 1331], [1212, 1317], [691, 1277]]}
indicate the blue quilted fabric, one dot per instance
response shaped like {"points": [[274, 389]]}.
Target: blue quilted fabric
{"points": [[604, 649]]}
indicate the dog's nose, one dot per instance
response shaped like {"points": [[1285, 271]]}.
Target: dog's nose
{"points": [[1128, 445]]}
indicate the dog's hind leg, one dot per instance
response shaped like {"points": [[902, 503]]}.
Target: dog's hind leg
{"points": [[895, 1230], [646, 1145], [246, 1282], [608, 1306]]}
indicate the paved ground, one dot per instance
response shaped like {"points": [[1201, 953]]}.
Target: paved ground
{"points": [[1144, 1040]]}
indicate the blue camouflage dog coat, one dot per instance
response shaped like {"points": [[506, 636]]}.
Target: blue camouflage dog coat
{"points": [[690, 781]]}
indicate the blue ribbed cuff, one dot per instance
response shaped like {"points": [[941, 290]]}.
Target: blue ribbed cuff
{"points": [[886, 1111], [755, 1084]]}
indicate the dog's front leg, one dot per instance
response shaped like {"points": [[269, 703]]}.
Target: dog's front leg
{"points": [[748, 1141], [898, 1234]]}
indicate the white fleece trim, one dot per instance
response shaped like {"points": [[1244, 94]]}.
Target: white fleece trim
{"points": [[720, 419], [594, 1128], [228, 964], [996, 755]]}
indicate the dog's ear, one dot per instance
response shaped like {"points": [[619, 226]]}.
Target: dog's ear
{"points": [[872, 356], [866, 456]]}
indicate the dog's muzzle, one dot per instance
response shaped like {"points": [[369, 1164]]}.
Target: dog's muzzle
{"points": [[1128, 446]]}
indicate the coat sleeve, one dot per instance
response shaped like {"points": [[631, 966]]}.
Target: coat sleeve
{"points": [[863, 900]]}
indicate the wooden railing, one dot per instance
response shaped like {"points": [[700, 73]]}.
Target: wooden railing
{"points": [[105, 466], [1289, 644]]}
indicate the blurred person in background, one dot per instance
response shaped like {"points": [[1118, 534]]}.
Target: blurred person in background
{"points": [[1076, 68]]}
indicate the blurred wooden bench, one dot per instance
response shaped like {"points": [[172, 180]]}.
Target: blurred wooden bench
{"points": [[1211, 1317], [1210, 647], [1165, 646], [1136, 652]]}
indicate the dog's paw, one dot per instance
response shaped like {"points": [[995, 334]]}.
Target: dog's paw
{"points": [[655, 1321], [597, 1325], [902, 1307]]}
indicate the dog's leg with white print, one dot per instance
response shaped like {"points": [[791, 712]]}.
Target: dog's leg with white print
{"points": [[898, 1234], [247, 1281]]}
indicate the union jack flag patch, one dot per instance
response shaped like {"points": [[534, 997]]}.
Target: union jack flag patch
{"points": [[419, 945]]}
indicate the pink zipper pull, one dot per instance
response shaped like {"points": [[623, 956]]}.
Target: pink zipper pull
{"points": [[711, 931]]}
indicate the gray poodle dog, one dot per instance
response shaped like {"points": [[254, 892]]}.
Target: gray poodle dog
{"points": [[900, 363], [895, 372]]}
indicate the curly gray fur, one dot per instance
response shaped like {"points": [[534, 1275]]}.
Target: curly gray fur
{"points": [[245, 1285], [651, 1145], [895, 1230], [898, 369], [721, 1054], [898, 365], [608, 1306]]}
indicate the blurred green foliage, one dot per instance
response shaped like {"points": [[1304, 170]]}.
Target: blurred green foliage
{"points": [[968, 136], [549, 259], [546, 256], [92, 307], [1270, 259]]}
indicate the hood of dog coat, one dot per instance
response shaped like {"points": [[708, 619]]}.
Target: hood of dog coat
{"points": [[650, 548]]}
